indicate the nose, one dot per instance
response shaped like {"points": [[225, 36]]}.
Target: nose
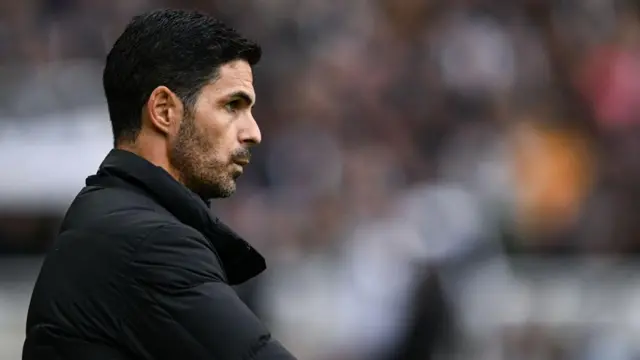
{"points": [[250, 133]]}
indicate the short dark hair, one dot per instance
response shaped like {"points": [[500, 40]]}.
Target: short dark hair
{"points": [[180, 49]]}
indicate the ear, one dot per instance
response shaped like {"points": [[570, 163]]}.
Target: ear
{"points": [[165, 110]]}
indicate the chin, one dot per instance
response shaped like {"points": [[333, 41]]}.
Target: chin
{"points": [[215, 189], [225, 194], [226, 190]]}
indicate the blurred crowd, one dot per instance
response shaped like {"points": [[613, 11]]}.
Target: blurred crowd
{"points": [[407, 144]]}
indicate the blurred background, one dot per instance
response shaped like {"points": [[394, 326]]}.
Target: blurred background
{"points": [[439, 179]]}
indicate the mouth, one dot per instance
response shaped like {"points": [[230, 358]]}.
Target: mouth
{"points": [[241, 162]]}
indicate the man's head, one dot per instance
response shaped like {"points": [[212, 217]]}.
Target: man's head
{"points": [[179, 88]]}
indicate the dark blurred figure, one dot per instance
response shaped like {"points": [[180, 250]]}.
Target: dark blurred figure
{"points": [[430, 330]]}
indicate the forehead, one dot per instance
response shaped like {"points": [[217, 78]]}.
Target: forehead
{"points": [[233, 77]]}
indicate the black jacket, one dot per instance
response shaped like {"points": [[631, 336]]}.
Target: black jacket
{"points": [[140, 270]]}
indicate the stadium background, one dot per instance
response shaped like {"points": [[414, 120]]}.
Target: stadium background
{"points": [[457, 177]]}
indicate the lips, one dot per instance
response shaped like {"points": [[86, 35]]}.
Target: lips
{"points": [[242, 157], [242, 162]]}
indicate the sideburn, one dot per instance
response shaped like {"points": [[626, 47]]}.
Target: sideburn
{"points": [[184, 152]]}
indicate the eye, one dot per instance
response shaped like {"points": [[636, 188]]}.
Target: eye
{"points": [[233, 106]]}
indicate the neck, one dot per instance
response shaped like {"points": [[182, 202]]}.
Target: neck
{"points": [[153, 154]]}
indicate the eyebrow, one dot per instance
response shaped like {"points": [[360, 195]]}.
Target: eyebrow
{"points": [[244, 96]]}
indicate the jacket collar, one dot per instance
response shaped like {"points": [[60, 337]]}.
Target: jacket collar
{"points": [[240, 260]]}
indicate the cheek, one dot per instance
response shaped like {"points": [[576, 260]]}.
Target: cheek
{"points": [[216, 135], [217, 144]]}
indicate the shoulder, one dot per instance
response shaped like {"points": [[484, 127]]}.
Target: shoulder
{"points": [[159, 247], [127, 223], [116, 212]]}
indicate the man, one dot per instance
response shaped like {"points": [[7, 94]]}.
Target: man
{"points": [[140, 270]]}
